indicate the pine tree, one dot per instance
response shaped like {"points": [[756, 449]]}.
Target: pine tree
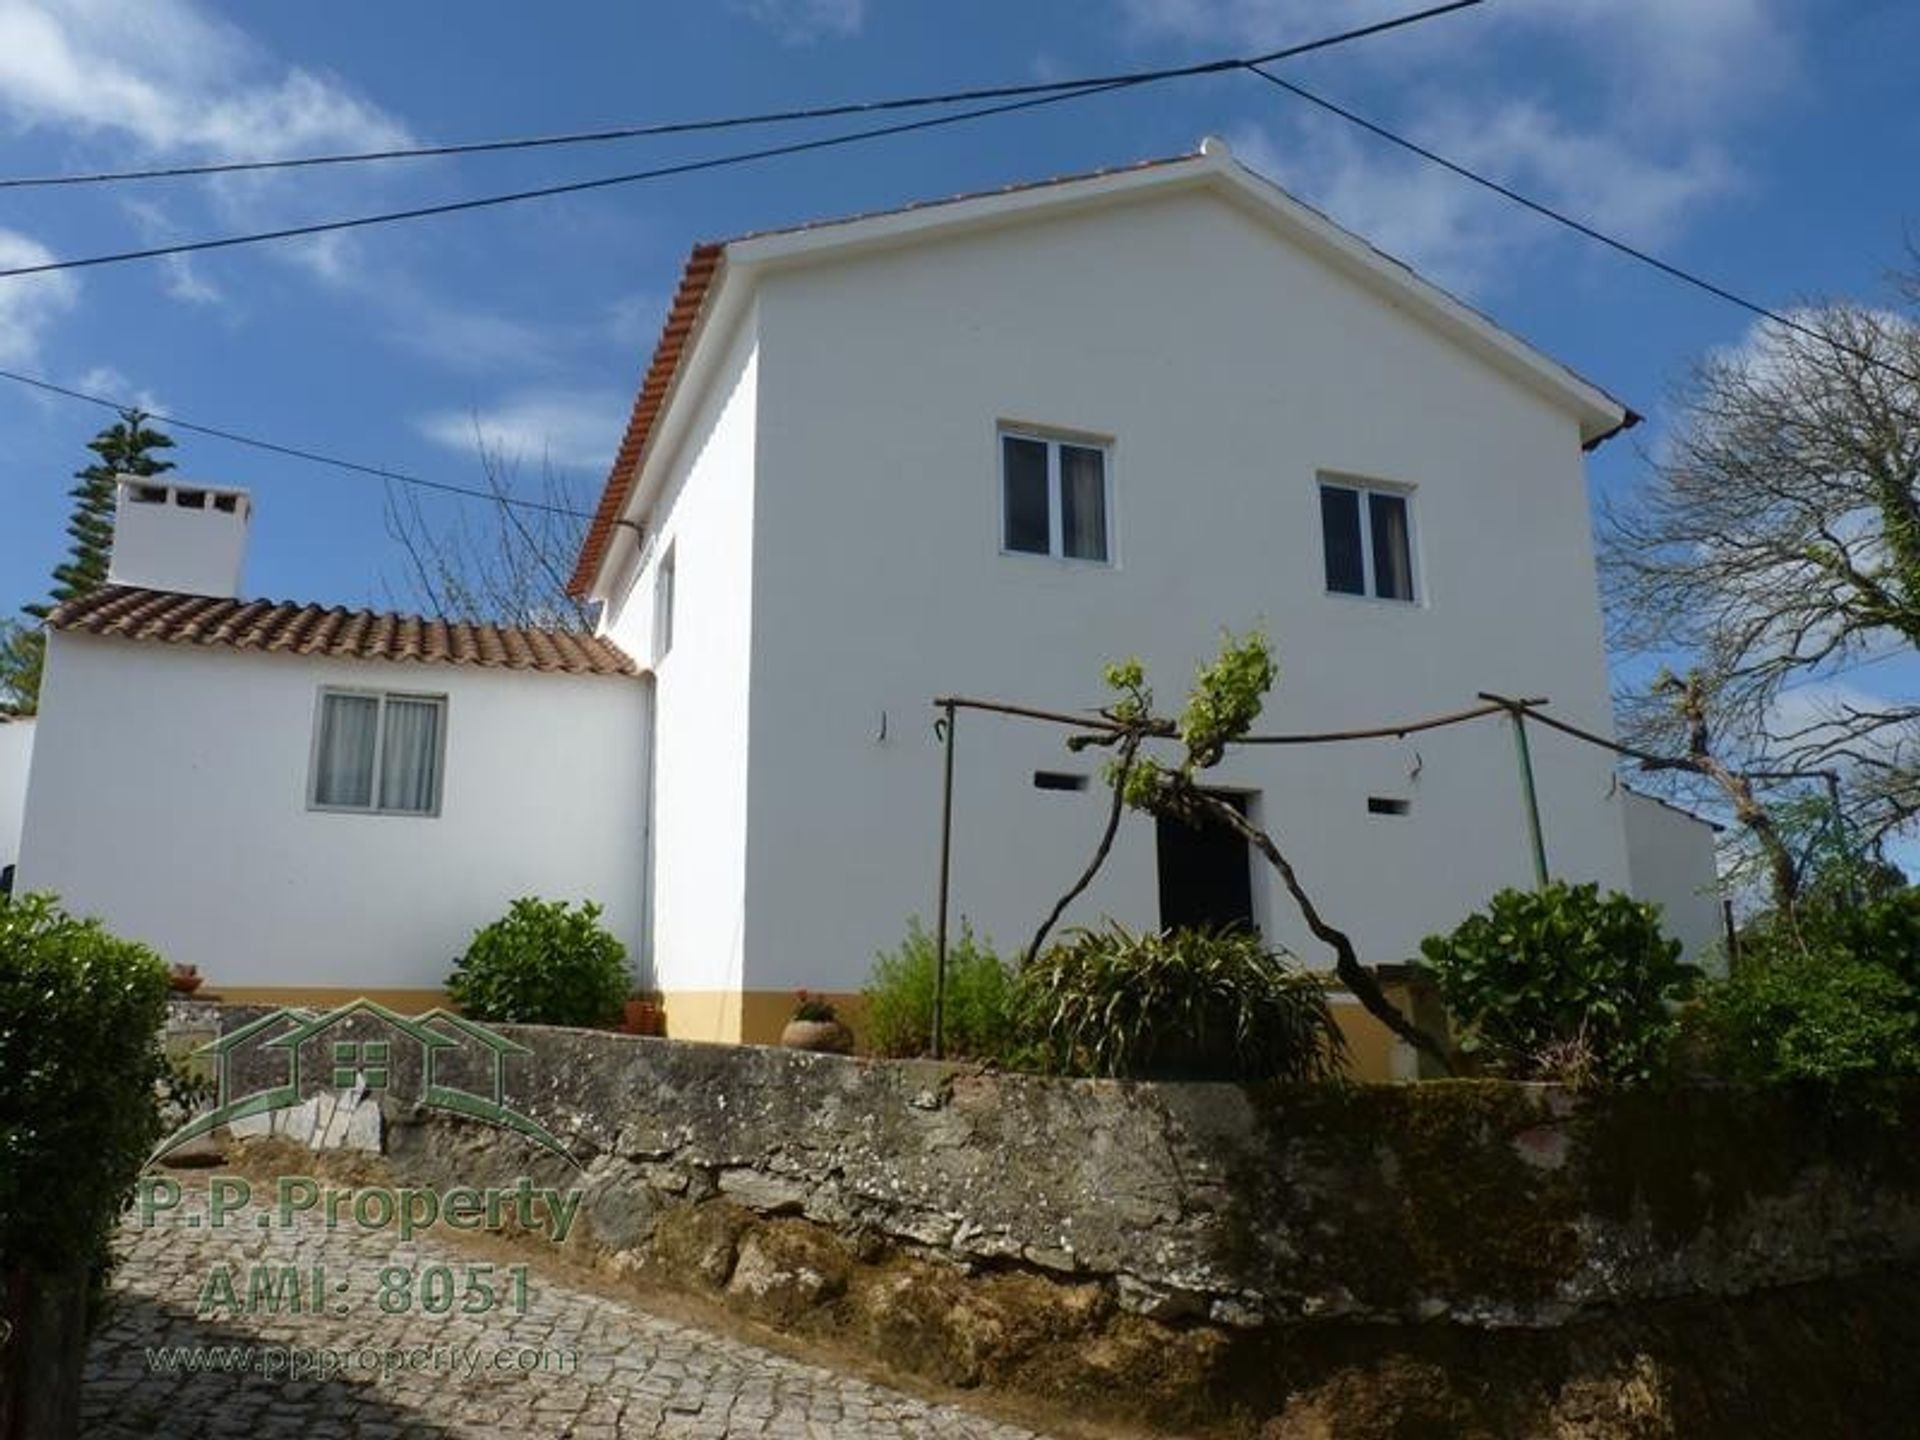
{"points": [[124, 448]]}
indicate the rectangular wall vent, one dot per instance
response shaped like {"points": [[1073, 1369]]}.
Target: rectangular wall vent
{"points": [[1058, 780], [1387, 805]]}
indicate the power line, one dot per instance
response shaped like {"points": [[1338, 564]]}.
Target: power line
{"points": [[826, 142], [731, 122], [292, 452], [1559, 217]]}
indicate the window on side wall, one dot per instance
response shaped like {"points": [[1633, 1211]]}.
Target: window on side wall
{"points": [[378, 753], [1055, 498], [1366, 534], [663, 607]]}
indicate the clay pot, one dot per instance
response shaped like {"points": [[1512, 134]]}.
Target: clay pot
{"points": [[184, 979], [827, 1036]]}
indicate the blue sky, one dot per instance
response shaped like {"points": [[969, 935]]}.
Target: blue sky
{"points": [[1767, 144]]}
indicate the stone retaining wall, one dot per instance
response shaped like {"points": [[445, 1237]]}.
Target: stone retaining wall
{"points": [[1154, 1243]]}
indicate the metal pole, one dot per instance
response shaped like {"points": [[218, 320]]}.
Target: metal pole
{"points": [[943, 727], [1536, 840]]}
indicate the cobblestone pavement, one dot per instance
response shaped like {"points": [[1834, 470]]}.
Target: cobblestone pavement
{"points": [[573, 1364]]}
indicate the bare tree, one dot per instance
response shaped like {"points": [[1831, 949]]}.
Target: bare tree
{"points": [[1776, 547], [504, 559]]}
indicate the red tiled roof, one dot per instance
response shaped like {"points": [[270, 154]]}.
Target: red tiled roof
{"points": [[687, 302], [283, 627], [670, 352]]}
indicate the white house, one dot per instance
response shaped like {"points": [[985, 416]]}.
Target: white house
{"points": [[979, 447], [316, 804], [983, 446], [16, 754]]}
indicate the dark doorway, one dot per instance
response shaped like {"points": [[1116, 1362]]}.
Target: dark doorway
{"points": [[1206, 873]]}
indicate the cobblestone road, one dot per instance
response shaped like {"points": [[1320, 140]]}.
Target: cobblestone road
{"points": [[599, 1367]]}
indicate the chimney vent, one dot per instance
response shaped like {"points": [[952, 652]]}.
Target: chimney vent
{"points": [[179, 536]]}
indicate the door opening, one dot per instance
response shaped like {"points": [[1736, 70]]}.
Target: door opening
{"points": [[1206, 872]]}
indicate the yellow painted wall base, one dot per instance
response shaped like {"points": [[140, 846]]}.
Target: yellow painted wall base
{"points": [[756, 1017]]}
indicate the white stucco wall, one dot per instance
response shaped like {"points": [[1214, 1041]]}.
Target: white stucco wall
{"points": [[1228, 371], [169, 796], [16, 754], [1670, 855], [704, 517]]}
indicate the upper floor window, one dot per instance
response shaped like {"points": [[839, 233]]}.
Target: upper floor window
{"points": [[1367, 533], [1054, 498], [378, 752]]}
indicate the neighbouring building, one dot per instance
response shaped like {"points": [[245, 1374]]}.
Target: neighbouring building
{"points": [[316, 804], [977, 447]]}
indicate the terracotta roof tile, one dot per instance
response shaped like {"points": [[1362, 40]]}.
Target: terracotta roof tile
{"points": [[285, 627]]}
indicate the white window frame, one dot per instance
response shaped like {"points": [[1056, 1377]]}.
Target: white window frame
{"points": [[1056, 533], [1363, 488], [373, 806]]}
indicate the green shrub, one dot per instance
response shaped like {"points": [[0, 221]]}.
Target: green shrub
{"points": [[80, 1062], [1561, 983], [1816, 1016], [1835, 997], [977, 1019], [1184, 1005], [1884, 931], [543, 963]]}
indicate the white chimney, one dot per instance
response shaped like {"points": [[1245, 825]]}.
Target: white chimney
{"points": [[173, 535]]}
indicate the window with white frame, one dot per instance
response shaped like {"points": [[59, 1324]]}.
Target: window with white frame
{"points": [[378, 752], [1055, 497], [1367, 535]]}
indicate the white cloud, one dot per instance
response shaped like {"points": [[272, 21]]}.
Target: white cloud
{"points": [[801, 22], [1459, 234], [110, 384], [633, 320], [175, 80], [182, 280], [1669, 56], [29, 303], [186, 285], [570, 428], [167, 81], [1622, 112]]}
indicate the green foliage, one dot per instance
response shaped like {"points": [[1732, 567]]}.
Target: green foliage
{"points": [[813, 1008], [978, 1021], [1809, 1017], [543, 963], [1185, 1005], [80, 1019], [123, 448], [1561, 983], [1226, 697], [1835, 997], [23, 656]]}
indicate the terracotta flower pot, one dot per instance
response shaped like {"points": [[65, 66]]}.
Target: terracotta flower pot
{"points": [[827, 1036], [184, 979]]}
